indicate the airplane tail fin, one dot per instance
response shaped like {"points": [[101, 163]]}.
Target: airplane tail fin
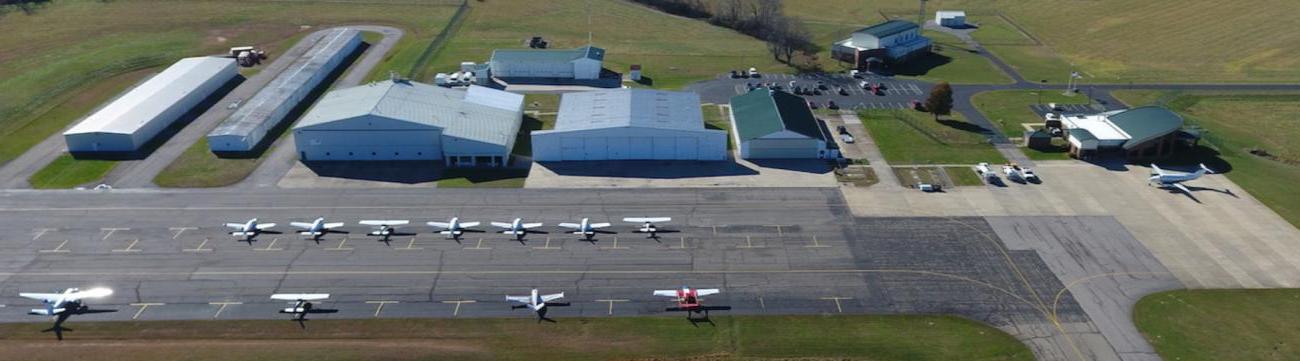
{"points": [[1206, 169]]}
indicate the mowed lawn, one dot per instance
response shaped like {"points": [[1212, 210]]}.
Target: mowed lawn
{"points": [[1116, 41], [673, 51], [68, 172], [1214, 325], [1009, 110], [197, 167], [910, 137], [877, 338], [952, 60], [66, 49], [1237, 124]]}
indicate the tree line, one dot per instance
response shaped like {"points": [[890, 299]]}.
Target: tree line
{"points": [[765, 20]]}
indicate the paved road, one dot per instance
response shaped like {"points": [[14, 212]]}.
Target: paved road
{"points": [[137, 174], [165, 247]]}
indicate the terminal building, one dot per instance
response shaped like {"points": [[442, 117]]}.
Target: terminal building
{"points": [[1148, 132], [404, 120], [244, 130], [883, 44], [629, 124], [772, 124], [133, 119]]}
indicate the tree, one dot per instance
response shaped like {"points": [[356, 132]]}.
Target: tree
{"points": [[940, 100]]}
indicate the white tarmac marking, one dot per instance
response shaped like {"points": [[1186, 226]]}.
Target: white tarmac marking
{"points": [[340, 246], [129, 247], [837, 302], [143, 306], [611, 305], [268, 246], [749, 243], [479, 245], [548, 245], [223, 307], [200, 247], [456, 311], [410, 246], [42, 232], [180, 230], [815, 243], [380, 305], [615, 246], [58, 249], [111, 231]]}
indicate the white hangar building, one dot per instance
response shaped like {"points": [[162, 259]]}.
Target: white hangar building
{"points": [[629, 124], [581, 63], [134, 118], [404, 120]]}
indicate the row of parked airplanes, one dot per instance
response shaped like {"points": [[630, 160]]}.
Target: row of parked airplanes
{"points": [[453, 228], [72, 301]]}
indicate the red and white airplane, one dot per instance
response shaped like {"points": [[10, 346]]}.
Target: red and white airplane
{"points": [[688, 299]]}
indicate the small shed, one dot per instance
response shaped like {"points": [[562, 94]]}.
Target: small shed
{"points": [[950, 18]]}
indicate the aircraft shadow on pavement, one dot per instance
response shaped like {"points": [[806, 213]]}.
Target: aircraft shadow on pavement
{"points": [[58, 328]]}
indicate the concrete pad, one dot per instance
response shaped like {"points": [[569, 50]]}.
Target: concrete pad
{"points": [[677, 174], [302, 176]]}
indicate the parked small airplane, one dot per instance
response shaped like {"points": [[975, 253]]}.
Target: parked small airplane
{"points": [[249, 229], [586, 228], [648, 224], [301, 304], [384, 229], [517, 228], [65, 304], [986, 171], [536, 301], [1165, 179], [453, 228], [316, 229], [689, 299]]}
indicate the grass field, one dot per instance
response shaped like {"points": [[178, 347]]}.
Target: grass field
{"points": [[911, 137], [880, 338], [197, 167], [1191, 325], [1116, 40], [673, 51], [963, 176], [715, 117], [1236, 124], [68, 172]]}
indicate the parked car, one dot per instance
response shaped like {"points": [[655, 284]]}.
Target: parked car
{"points": [[735, 74], [842, 130], [753, 73], [864, 84], [816, 91], [822, 85], [830, 104], [847, 138], [855, 74], [812, 104], [843, 91]]}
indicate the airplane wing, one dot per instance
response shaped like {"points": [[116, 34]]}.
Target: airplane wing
{"points": [[520, 299], [439, 224], [332, 225], [45, 312], [90, 293], [265, 226], [1181, 187], [552, 297], [666, 293], [300, 296], [300, 224], [647, 219], [707, 291], [599, 225], [531, 225], [503, 225], [468, 224], [569, 225], [235, 225], [383, 223], [40, 296], [1156, 169]]}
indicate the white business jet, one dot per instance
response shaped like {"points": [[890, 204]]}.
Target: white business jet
{"points": [[1166, 179], [384, 229], [536, 301], [586, 228], [517, 228], [648, 224], [453, 228], [316, 229], [249, 229]]}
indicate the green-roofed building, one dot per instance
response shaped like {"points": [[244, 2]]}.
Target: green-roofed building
{"points": [[777, 125], [1147, 132], [582, 63], [883, 44]]}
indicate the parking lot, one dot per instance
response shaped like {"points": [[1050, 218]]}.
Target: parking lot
{"points": [[893, 93]]}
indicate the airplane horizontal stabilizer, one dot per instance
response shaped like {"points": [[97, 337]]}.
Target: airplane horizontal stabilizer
{"points": [[647, 219], [300, 296]]}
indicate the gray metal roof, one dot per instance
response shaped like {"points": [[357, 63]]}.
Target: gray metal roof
{"points": [[480, 114], [888, 28], [644, 108], [261, 106], [146, 102], [548, 55]]}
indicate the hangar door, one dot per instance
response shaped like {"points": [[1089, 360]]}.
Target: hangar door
{"points": [[782, 148]]}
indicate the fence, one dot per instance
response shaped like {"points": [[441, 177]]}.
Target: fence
{"points": [[417, 71]]}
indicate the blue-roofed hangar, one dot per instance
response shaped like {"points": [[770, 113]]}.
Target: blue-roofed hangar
{"points": [[629, 124]]}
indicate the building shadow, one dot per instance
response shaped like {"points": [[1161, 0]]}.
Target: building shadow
{"points": [[920, 65], [653, 169], [814, 166], [963, 126]]}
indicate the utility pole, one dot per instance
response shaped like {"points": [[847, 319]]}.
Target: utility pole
{"points": [[920, 14]]}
